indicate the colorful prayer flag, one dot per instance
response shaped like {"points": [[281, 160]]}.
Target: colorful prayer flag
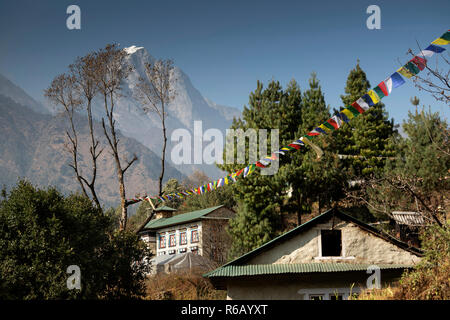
{"points": [[405, 72], [358, 107], [443, 40], [412, 68], [373, 96], [379, 92], [383, 88], [394, 81], [318, 129], [325, 128], [430, 51], [348, 113], [337, 120], [313, 133], [343, 117], [293, 145], [251, 168], [368, 99], [259, 164], [419, 62]]}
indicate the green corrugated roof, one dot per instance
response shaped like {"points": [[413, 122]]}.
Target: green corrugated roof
{"points": [[180, 218], [270, 269], [165, 208]]}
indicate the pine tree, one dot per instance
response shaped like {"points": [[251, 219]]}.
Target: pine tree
{"points": [[259, 196], [262, 199], [366, 137], [426, 154], [311, 179]]}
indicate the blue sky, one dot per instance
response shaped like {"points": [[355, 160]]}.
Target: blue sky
{"points": [[226, 46]]}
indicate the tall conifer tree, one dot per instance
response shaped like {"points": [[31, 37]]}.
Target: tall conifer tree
{"points": [[311, 179], [260, 196], [366, 137]]}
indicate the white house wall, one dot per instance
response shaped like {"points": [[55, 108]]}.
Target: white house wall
{"points": [[358, 246], [177, 247]]}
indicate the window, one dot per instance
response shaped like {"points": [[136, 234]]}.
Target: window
{"points": [[172, 240], [194, 236], [182, 250], [162, 241], [331, 243], [316, 297], [183, 238], [194, 250]]}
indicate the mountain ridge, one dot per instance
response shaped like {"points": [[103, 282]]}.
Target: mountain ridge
{"points": [[35, 151]]}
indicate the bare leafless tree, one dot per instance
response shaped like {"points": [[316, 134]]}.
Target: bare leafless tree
{"points": [[395, 191], [79, 87], [436, 79], [216, 242], [83, 71], [110, 72], [155, 93], [65, 93]]}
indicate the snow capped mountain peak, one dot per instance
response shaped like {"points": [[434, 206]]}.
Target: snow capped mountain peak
{"points": [[188, 106], [132, 49]]}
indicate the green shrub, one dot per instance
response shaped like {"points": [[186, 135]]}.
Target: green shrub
{"points": [[43, 232]]}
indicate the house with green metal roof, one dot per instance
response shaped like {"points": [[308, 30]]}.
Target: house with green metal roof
{"points": [[329, 257], [201, 232]]}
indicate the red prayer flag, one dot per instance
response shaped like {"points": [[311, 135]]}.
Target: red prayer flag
{"points": [[383, 88], [296, 146], [357, 107], [419, 62], [333, 123], [259, 164]]}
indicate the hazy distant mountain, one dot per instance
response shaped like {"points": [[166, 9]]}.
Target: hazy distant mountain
{"points": [[10, 90], [32, 146]]}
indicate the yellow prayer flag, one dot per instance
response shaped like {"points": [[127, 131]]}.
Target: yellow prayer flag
{"points": [[373, 96], [348, 113], [325, 128], [441, 41], [405, 72]]}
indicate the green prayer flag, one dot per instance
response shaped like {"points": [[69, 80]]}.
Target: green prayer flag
{"points": [[379, 92], [411, 67], [446, 36], [353, 110], [329, 126]]}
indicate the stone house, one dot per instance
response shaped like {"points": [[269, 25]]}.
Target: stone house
{"points": [[201, 232], [329, 257]]}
